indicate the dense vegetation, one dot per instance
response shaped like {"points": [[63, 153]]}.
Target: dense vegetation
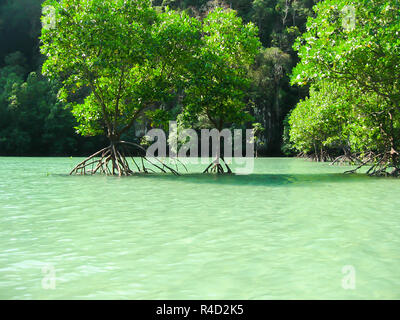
{"points": [[134, 60], [324, 82], [34, 122], [353, 69]]}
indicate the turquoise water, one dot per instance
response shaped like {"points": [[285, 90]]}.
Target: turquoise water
{"points": [[285, 232]]}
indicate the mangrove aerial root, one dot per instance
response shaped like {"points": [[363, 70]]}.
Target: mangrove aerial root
{"points": [[382, 164], [113, 160], [216, 167]]}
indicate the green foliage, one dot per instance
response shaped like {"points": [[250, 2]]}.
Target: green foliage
{"points": [[129, 56], [319, 121], [220, 71], [32, 121], [20, 28], [270, 67], [278, 21], [334, 119], [91, 46], [368, 55], [258, 130], [287, 147], [269, 75], [353, 68]]}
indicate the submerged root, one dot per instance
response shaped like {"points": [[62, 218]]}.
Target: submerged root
{"points": [[216, 167], [380, 165], [347, 158], [317, 157], [114, 160]]}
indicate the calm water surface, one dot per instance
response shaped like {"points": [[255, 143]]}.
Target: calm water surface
{"points": [[286, 231]]}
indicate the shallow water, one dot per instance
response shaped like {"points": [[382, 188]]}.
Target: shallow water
{"points": [[285, 231]]}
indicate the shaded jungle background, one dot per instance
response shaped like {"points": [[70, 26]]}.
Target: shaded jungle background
{"points": [[34, 123]]}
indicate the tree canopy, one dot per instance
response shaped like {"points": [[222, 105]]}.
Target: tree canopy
{"points": [[128, 56], [278, 23], [132, 59], [360, 59], [220, 71]]}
